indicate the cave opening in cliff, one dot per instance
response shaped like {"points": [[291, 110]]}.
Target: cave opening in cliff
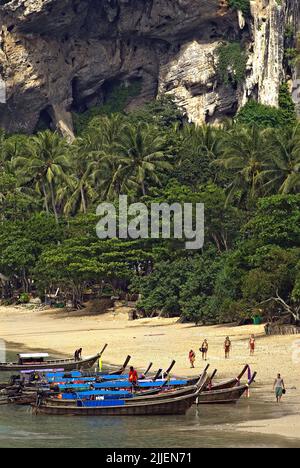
{"points": [[79, 104], [221, 114], [45, 121], [114, 95], [118, 93]]}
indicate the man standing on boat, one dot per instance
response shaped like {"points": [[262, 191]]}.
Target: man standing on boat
{"points": [[78, 355], [133, 377]]}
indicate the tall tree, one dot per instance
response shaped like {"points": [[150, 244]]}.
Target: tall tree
{"points": [[283, 174], [142, 157], [45, 165], [196, 148], [80, 190], [246, 154]]}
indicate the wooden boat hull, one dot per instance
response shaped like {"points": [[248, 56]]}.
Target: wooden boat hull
{"points": [[18, 399], [225, 384], [140, 397], [30, 398], [225, 396], [171, 406], [24, 400], [4, 386], [67, 365]]}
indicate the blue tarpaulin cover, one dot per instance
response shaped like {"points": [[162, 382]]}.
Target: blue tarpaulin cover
{"points": [[87, 395], [123, 384], [99, 404]]}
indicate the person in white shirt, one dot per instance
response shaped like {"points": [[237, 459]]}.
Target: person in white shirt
{"points": [[279, 388]]}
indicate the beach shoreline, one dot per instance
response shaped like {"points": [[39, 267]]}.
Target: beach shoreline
{"points": [[160, 341]]}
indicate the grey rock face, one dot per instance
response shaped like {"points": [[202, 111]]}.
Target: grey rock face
{"points": [[62, 55]]}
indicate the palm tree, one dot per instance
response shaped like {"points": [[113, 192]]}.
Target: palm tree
{"points": [[11, 189], [283, 174], [45, 165], [140, 157], [95, 162], [104, 132], [196, 148], [81, 190], [107, 177], [203, 140], [246, 154], [14, 146]]}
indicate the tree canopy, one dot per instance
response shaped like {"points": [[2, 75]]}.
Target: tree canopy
{"points": [[247, 174]]}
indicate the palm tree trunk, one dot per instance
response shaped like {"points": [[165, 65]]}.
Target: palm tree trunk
{"points": [[143, 188], [53, 203], [45, 199], [84, 205]]}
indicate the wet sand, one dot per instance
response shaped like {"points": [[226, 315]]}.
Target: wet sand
{"points": [[286, 426]]}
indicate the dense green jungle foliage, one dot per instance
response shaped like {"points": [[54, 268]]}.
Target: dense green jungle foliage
{"points": [[246, 172]]}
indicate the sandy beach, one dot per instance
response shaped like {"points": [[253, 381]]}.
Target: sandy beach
{"points": [[161, 340]]}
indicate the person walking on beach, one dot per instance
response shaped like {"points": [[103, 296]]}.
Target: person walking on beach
{"points": [[252, 344], [192, 358], [227, 347], [204, 350], [279, 388]]}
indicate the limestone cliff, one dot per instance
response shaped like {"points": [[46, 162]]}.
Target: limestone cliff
{"points": [[59, 56]]}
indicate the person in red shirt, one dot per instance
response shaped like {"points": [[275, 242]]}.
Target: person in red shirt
{"points": [[133, 377], [252, 344], [192, 358]]}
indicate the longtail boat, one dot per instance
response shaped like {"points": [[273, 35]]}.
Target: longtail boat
{"points": [[38, 362], [122, 369], [90, 377], [173, 405], [224, 396], [225, 384], [162, 375], [148, 369], [121, 380], [71, 399], [125, 384], [122, 384], [69, 377], [52, 377]]}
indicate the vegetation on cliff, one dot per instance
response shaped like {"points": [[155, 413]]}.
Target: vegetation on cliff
{"points": [[231, 63], [254, 113], [240, 5]]}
